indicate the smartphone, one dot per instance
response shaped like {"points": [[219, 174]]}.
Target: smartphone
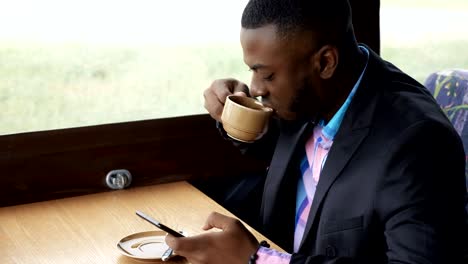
{"points": [[158, 224]]}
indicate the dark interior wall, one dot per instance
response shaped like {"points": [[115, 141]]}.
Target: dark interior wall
{"points": [[366, 21]]}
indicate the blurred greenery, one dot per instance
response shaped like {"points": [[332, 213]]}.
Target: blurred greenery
{"points": [[425, 58], [47, 86]]}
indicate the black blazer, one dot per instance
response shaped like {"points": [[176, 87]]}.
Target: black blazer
{"points": [[392, 189]]}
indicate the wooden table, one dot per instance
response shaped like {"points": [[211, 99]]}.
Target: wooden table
{"points": [[86, 229]]}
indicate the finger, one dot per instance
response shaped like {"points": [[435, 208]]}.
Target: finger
{"points": [[226, 87], [217, 220], [241, 87], [190, 247], [180, 244], [240, 94], [213, 105], [215, 95], [221, 95]]}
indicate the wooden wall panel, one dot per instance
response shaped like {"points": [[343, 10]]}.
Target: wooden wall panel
{"points": [[59, 163]]}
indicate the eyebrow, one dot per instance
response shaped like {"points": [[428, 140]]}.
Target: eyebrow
{"points": [[256, 67]]}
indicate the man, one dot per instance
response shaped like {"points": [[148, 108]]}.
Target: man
{"points": [[365, 167]]}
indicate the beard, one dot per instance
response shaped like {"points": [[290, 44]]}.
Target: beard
{"points": [[304, 106]]}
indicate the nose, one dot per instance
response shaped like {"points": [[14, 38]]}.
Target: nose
{"points": [[257, 89]]}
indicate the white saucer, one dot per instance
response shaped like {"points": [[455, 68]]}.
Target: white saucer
{"points": [[144, 245]]}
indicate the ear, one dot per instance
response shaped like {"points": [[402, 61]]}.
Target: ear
{"points": [[327, 61]]}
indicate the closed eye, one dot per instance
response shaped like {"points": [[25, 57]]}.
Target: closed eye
{"points": [[269, 77]]}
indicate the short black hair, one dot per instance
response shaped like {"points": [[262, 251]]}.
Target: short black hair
{"points": [[329, 18]]}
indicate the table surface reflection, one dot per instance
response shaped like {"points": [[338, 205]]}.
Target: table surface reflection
{"points": [[86, 229]]}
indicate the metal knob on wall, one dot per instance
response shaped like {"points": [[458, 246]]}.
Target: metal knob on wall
{"points": [[118, 179]]}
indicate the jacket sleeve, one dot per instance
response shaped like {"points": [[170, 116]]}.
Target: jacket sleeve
{"points": [[420, 201]]}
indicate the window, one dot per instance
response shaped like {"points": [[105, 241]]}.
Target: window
{"points": [[68, 63], [424, 36]]}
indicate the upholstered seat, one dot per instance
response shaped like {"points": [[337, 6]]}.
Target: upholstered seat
{"points": [[450, 89]]}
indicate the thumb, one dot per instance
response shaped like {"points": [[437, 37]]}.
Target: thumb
{"points": [[180, 244], [241, 88], [217, 220], [240, 93]]}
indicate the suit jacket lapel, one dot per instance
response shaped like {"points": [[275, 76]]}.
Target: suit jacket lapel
{"points": [[278, 203], [352, 132]]}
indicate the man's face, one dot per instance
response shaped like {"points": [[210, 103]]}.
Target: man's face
{"points": [[283, 71]]}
